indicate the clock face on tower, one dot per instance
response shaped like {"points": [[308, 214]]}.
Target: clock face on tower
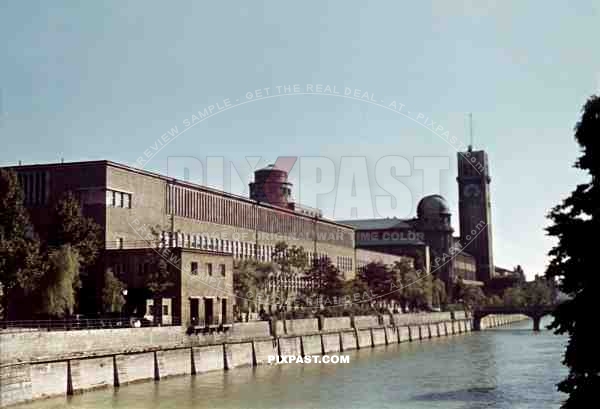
{"points": [[472, 191]]}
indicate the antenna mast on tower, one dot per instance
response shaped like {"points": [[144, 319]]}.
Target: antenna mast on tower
{"points": [[470, 131]]}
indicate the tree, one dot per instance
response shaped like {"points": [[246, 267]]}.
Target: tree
{"points": [[498, 285], [473, 297], [519, 273], [574, 224], [438, 292], [513, 297], [60, 282], [290, 263], [415, 287], [112, 293], [537, 293], [327, 283], [379, 280], [494, 301], [21, 266], [69, 226], [357, 292], [249, 279], [158, 279]]}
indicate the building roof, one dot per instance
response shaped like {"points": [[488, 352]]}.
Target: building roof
{"points": [[378, 224], [387, 243], [432, 205], [180, 182], [270, 167]]}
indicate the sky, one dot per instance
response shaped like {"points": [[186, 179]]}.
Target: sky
{"points": [[106, 80]]}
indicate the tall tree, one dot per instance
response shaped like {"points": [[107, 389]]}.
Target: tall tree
{"points": [[379, 279], [290, 263], [519, 273], [21, 266], [249, 279], [473, 297], [327, 283], [61, 282], [574, 224], [537, 293], [70, 226], [158, 278], [112, 293], [357, 293], [415, 287], [438, 293]]}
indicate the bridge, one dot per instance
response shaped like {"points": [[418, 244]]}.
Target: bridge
{"points": [[534, 312]]}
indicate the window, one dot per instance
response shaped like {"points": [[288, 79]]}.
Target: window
{"points": [[194, 268], [120, 242], [209, 268], [118, 199], [222, 268], [34, 187], [109, 198], [165, 310]]}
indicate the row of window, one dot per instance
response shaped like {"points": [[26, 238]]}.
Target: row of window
{"points": [[209, 268], [344, 263], [118, 199], [465, 266], [35, 187], [222, 210], [239, 249]]}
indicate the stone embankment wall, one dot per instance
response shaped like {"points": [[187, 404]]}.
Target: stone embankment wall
{"points": [[35, 365]]}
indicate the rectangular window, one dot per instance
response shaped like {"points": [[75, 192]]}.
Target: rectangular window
{"points": [[165, 310], [126, 200], [209, 268], [222, 268], [109, 198], [194, 268]]}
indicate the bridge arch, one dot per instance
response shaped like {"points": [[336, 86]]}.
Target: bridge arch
{"points": [[535, 313]]}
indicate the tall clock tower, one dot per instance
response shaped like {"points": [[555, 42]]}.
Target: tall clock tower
{"points": [[475, 216]]}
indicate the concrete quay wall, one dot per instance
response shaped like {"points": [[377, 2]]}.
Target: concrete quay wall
{"points": [[48, 345], [60, 376]]}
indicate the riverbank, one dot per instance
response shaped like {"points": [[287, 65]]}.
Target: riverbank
{"points": [[39, 365]]}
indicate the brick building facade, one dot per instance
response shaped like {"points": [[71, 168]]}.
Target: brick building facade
{"points": [[142, 213]]}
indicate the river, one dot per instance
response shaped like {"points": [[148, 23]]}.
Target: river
{"points": [[509, 367]]}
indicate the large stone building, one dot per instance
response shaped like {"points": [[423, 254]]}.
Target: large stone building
{"points": [[429, 237], [144, 214], [204, 230]]}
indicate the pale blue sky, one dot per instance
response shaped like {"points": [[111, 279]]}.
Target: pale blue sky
{"points": [[104, 80]]}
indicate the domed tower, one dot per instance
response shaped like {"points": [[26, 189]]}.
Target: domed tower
{"points": [[271, 186], [433, 219]]}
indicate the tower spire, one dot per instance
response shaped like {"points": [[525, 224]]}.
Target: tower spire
{"points": [[470, 131]]}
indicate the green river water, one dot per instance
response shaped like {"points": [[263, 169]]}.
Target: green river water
{"points": [[509, 367]]}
